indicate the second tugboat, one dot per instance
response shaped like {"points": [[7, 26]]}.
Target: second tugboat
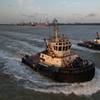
{"points": [[59, 62], [92, 44]]}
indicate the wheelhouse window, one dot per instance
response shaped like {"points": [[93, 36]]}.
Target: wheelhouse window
{"points": [[55, 47], [64, 43], [60, 48], [67, 48], [64, 49], [60, 43]]}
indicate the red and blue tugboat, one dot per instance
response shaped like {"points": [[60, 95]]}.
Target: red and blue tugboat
{"points": [[92, 44], [59, 62]]}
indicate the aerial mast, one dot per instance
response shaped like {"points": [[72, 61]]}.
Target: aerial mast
{"points": [[56, 29]]}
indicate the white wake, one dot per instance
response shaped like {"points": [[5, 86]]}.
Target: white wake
{"points": [[33, 80]]}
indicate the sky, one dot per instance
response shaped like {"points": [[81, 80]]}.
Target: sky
{"points": [[68, 11]]}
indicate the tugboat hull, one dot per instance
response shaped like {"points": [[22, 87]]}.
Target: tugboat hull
{"points": [[70, 76], [90, 45], [79, 74]]}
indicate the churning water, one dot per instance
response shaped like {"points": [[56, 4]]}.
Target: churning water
{"points": [[16, 41]]}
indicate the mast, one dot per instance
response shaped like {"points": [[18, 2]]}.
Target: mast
{"points": [[56, 29], [98, 36]]}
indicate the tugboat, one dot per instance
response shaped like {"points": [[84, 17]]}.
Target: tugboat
{"points": [[59, 62], [92, 44]]}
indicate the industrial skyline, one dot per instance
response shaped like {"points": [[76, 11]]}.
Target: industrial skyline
{"points": [[68, 11]]}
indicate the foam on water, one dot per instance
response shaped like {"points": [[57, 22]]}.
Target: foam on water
{"points": [[87, 88], [33, 80]]}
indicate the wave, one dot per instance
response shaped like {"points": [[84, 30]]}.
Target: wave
{"points": [[33, 80], [30, 79], [87, 88]]}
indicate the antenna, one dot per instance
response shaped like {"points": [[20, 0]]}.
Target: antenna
{"points": [[56, 30], [98, 36], [45, 43]]}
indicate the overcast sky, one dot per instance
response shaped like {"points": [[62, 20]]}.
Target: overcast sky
{"points": [[12, 11]]}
